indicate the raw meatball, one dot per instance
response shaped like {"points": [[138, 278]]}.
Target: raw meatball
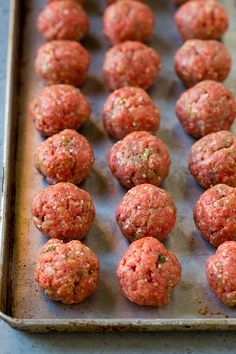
{"points": [[201, 19], [213, 159], [130, 109], [59, 107], [146, 210], [215, 214], [131, 64], [63, 62], [67, 272], [221, 273], [128, 20], [148, 273], [64, 157], [139, 158], [206, 108], [199, 60], [63, 211], [63, 20]]}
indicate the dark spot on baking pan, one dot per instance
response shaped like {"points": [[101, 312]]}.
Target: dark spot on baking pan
{"points": [[93, 132], [111, 293], [92, 43], [203, 311], [187, 326], [93, 7], [101, 236], [160, 5], [161, 89], [160, 45], [176, 89], [28, 7], [97, 183], [93, 86]]}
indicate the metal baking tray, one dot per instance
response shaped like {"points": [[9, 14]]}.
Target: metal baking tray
{"points": [[193, 306]]}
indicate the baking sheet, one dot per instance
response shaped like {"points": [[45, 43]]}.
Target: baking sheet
{"points": [[23, 305]]}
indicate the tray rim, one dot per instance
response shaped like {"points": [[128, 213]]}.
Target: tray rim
{"points": [[66, 325], [7, 153], [123, 325]]}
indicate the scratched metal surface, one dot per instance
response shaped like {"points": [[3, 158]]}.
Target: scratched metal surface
{"points": [[192, 299]]}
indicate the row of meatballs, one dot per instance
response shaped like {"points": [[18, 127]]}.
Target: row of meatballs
{"points": [[206, 111], [145, 215], [140, 172], [207, 108], [132, 21], [131, 63], [69, 271], [65, 211], [201, 114]]}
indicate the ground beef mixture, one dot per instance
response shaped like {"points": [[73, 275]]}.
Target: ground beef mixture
{"points": [[63, 62], [63, 211], [221, 273], [148, 273], [146, 210], [64, 157], [212, 159], [128, 20], [206, 108], [139, 158], [199, 60], [131, 63], [63, 20], [201, 19], [59, 107], [130, 109], [215, 214], [67, 272]]}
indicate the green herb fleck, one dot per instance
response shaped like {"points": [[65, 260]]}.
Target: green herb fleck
{"points": [[83, 274], [66, 140], [51, 248], [161, 258]]}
